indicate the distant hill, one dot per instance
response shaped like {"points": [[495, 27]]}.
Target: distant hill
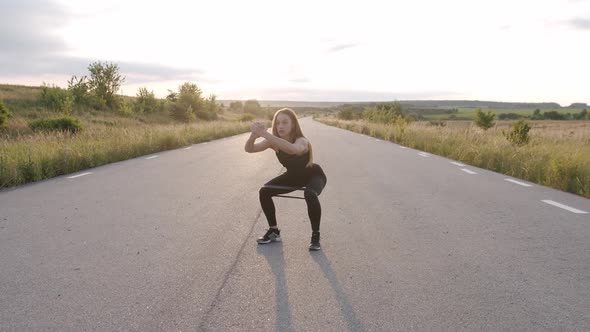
{"points": [[288, 103], [478, 104], [415, 104]]}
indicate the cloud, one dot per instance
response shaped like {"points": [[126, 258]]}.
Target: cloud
{"points": [[27, 27], [135, 73], [340, 47], [30, 46], [580, 23]]}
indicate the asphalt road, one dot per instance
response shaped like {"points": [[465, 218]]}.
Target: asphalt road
{"points": [[410, 241]]}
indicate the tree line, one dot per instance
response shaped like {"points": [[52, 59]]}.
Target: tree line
{"points": [[98, 91]]}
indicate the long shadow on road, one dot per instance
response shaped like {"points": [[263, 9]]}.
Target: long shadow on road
{"points": [[274, 255], [354, 324]]}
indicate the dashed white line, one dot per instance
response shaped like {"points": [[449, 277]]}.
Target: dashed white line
{"points": [[519, 183], [423, 155], [79, 175], [152, 157], [378, 140], [458, 164], [468, 171], [565, 207], [188, 148], [403, 147]]}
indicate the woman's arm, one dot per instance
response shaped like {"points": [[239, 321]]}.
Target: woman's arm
{"points": [[251, 147], [300, 146]]}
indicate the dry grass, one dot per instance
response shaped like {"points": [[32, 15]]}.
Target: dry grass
{"points": [[558, 154], [28, 156]]}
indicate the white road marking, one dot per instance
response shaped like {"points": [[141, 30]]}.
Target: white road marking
{"points": [[152, 157], [79, 175], [188, 148], [565, 207], [422, 154], [468, 171], [378, 140], [519, 183], [403, 147], [458, 164]]}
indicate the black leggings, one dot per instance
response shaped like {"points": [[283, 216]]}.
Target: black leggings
{"points": [[314, 180]]}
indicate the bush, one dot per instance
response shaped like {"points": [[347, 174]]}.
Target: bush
{"points": [[56, 99], [553, 115], [65, 124], [484, 120], [4, 114], [509, 116], [78, 88], [236, 106], [346, 114], [519, 134], [125, 107], [384, 113], [247, 117]]}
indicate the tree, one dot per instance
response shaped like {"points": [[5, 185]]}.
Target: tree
{"points": [[172, 96], [252, 106], [104, 83], [189, 100], [236, 106], [212, 106], [208, 110], [146, 101], [4, 114], [537, 115], [484, 120], [582, 115]]}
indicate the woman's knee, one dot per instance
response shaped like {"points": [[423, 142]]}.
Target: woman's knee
{"points": [[310, 194], [316, 185], [265, 192]]}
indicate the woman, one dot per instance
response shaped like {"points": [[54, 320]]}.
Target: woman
{"points": [[295, 153]]}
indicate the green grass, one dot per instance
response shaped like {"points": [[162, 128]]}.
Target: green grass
{"points": [[558, 154], [469, 113]]}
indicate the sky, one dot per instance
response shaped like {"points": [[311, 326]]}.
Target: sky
{"points": [[500, 50]]}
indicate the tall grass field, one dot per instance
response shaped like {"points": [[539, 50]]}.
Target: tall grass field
{"points": [[557, 155], [44, 155], [28, 155]]}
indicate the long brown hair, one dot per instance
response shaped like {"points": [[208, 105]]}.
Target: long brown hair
{"points": [[295, 130]]}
